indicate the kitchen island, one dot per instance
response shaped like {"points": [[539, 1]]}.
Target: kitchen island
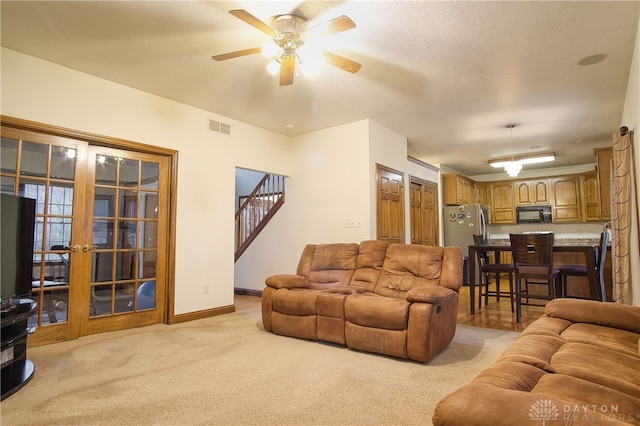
{"points": [[567, 251]]}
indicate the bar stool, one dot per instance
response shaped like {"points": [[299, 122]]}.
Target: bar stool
{"points": [[486, 269], [581, 271]]}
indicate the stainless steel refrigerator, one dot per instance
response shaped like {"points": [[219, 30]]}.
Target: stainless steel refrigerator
{"points": [[461, 223]]}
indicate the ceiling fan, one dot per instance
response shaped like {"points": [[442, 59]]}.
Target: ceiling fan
{"points": [[289, 33]]}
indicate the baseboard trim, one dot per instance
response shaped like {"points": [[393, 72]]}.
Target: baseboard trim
{"points": [[247, 291], [191, 316]]}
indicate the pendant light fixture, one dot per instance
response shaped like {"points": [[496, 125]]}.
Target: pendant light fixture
{"points": [[513, 165]]}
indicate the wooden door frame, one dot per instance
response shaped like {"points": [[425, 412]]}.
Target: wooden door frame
{"points": [[111, 142]]}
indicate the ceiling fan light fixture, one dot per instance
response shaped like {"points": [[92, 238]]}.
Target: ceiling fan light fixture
{"points": [[289, 34], [273, 67]]}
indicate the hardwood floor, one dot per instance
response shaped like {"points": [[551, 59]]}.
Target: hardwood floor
{"points": [[496, 315]]}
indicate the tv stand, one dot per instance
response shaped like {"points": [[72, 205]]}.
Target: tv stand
{"points": [[17, 370]]}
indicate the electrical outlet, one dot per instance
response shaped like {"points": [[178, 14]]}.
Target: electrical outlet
{"points": [[205, 289]]}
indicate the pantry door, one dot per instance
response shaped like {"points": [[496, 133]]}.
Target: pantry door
{"points": [[100, 250]]}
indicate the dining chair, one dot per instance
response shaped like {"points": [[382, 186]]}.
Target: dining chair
{"points": [[581, 270], [533, 265], [487, 268]]}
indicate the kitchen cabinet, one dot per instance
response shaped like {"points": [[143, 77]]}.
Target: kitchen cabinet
{"points": [[483, 193], [457, 189], [502, 202], [565, 199], [573, 198], [604, 156], [531, 191], [590, 197]]}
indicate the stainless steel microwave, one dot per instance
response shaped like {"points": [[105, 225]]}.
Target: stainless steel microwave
{"points": [[533, 214]]}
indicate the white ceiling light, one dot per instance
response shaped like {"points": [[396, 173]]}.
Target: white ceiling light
{"points": [[541, 157], [512, 165]]}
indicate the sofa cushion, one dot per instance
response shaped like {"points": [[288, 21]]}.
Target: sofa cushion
{"points": [[604, 366], [331, 304], [332, 264], [408, 266], [365, 278], [605, 337], [420, 261], [304, 264], [391, 285], [371, 254], [295, 302], [608, 314], [371, 310]]}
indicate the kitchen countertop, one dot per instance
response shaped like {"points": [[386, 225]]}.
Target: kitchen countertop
{"points": [[557, 241]]}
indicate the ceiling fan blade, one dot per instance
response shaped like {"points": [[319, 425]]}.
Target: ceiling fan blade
{"points": [[341, 62], [253, 21], [333, 26], [237, 53], [287, 68]]}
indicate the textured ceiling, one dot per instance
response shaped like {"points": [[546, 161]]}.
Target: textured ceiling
{"points": [[447, 75]]}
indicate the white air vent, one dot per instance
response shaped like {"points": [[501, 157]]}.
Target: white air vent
{"points": [[220, 127]]}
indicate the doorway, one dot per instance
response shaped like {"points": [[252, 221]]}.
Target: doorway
{"points": [[102, 231]]}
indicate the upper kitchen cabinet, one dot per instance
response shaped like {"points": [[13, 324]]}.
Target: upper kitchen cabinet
{"points": [[502, 206], [590, 197], [565, 199], [483, 193], [457, 189], [532, 191], [604, 156]]}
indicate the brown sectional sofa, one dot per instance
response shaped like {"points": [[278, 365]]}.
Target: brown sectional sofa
{"points": [[394, 299], [577, 364]]}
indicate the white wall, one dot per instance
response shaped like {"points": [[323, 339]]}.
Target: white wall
{"points": [[327, 185], [631, 119], [40, 91]]}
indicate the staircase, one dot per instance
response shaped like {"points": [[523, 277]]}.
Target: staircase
{"points": [[256, 211]]}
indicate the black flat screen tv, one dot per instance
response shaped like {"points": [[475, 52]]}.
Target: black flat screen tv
{"points": [[17, 223]]}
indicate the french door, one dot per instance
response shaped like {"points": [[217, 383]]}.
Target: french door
{"points": [[100, 249]]}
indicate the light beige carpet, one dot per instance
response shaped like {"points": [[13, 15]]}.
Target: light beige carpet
{"points": [[227, 370]]}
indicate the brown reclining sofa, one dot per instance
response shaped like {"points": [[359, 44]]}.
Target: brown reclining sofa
{"points": [[579, 364], [394, 299]]}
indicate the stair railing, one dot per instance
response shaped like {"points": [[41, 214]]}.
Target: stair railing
{"points": [[257, 210]]}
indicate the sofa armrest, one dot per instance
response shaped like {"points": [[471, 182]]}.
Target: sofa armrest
{"points": [[287, 281], [429, 294], [607, 314]]}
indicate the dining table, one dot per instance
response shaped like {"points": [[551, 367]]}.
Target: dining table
{"points": [[588, 249]]}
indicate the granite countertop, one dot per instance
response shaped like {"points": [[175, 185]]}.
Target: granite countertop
{"points": [[557, 241]]}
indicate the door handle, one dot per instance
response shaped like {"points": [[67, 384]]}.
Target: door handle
{"points": [[87, 247]]}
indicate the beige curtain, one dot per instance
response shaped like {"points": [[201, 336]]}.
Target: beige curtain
{"points": [[624, 215]]}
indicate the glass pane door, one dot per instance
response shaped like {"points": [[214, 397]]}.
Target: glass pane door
{"points": [[127, 205], [44, 168]]}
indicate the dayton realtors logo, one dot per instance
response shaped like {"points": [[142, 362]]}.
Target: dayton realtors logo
{"points": [[543, 409]]}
